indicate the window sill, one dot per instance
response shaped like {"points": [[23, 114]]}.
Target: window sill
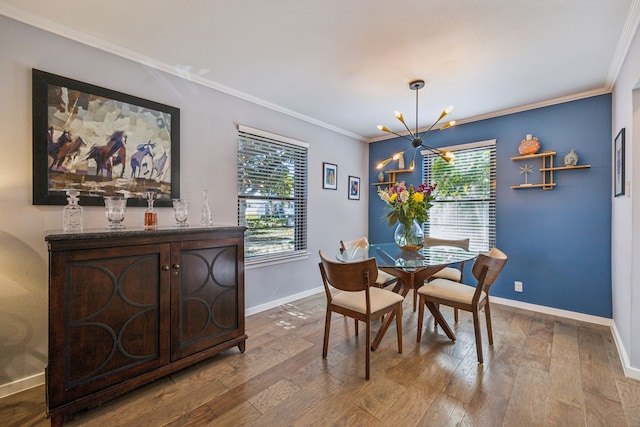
{"points": [[264, 261]]}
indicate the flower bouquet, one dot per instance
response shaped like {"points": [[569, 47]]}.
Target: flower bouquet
{"points": [[407, 206]]}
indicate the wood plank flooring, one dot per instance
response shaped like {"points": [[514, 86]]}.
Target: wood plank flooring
{"points": [[541, 371]]}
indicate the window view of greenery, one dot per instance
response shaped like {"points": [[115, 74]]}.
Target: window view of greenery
{"points": [[270, 179], [465, 197]]}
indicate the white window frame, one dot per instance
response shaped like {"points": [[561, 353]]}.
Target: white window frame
{"points": [[299, 174], [482, 238]]}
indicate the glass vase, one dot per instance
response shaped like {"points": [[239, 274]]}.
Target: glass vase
{"points": [[206, 218], [181, 212], [409, 239], [115, 207]]}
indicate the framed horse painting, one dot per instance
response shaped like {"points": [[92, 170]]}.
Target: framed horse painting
{"points": [[101, 143]]}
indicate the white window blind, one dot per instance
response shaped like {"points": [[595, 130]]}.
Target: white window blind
{"points": [[272, 194], [465, 204]]}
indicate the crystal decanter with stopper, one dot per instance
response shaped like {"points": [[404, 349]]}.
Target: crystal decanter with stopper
{"points": [[206, 218], [150, 215], [72, 213]]}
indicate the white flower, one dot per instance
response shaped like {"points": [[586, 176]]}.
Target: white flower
{"points": [[404, 196]]}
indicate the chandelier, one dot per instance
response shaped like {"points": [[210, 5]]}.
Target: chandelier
{"points": [[416, 139]]}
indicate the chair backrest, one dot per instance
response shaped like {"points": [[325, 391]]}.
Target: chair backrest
{"points": [[435, 241], [348, 276], [493, 261], [355, 249], [360, 243]]}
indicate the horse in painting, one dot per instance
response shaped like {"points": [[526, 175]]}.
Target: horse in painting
{"points": [[138, 159], [158, 166], [63, 148], [112, 154]]}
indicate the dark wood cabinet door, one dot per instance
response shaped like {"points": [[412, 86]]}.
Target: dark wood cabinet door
{"points": [[109, 314], [207, 298]]}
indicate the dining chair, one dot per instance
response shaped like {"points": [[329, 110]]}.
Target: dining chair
{"points": [[452, 273], [486, 269], [350, 291], [361, 246]]}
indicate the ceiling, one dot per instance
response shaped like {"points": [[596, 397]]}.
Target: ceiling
{"points": [[347, 64]]}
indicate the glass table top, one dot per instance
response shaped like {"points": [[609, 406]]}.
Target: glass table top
{"points": [[390, 255]]}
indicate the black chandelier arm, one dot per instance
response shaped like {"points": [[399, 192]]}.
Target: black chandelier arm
{"points": [[402, 136], [434, 151]]}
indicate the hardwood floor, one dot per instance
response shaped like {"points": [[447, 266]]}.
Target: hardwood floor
{"points": [[541, 370]]}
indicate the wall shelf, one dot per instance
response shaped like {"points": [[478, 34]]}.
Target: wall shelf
{"points": [[546, 170], [392, 176]]}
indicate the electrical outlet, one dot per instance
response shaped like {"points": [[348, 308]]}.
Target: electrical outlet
{"points": [[518, 286]]}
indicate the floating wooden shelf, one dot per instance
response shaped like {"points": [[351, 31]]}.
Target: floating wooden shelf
{"points": [[546, 170], [392, 176]]}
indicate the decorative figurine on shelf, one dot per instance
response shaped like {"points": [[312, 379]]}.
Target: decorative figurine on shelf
{"points": [[401, 161], [526, 170], [571, 159], [529, 145], [380, 176]]}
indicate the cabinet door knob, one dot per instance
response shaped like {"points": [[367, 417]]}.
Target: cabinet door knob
{"points": [[165, 268], [176, 266]]}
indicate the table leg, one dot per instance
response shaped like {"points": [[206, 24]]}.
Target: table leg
{"points": [[401, 288], [440, 320]]}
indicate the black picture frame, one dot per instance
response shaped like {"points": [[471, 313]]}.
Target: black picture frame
{"points": [[329, 176], [353, 188], [101, 142], [618, 165]]}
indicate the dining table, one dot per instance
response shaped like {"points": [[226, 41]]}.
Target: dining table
{"points": [[411, 269]]}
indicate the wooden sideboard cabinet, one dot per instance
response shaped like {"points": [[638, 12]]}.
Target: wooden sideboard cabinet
{"points": [[128, 307]]}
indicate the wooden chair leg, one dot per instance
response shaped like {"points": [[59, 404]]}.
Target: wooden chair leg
{"points": [[399, 327], [420, 317], [368, 350], [327, 327], [476, 327], [355, 321], [415, 299], [455, 315], [487, 313]]}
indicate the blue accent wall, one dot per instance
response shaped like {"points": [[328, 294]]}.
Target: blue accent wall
{"points": [[558, 241]]}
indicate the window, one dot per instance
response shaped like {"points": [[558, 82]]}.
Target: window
{"points": [[465, 204], [272, 194]]}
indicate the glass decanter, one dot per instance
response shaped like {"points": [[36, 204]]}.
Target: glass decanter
{"points": [[206, 218], [150, 215], [72, 213]]}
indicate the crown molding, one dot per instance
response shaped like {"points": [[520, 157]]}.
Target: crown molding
{"points": [[105, 46], [628, 33]]}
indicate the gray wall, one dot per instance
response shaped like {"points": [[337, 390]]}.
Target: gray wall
{"points": [[209, 122]]}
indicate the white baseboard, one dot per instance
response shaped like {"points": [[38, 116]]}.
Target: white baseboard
{"points": [[553, 311], [21, 385], [273, 304], [629, 371]]}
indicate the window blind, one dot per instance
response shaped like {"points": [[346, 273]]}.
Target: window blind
{"points": [[272, 194], [465, 203]]}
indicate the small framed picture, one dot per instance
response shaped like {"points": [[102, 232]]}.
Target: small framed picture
{"points": [[354, 188], [329, 176], [619, 164]]}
